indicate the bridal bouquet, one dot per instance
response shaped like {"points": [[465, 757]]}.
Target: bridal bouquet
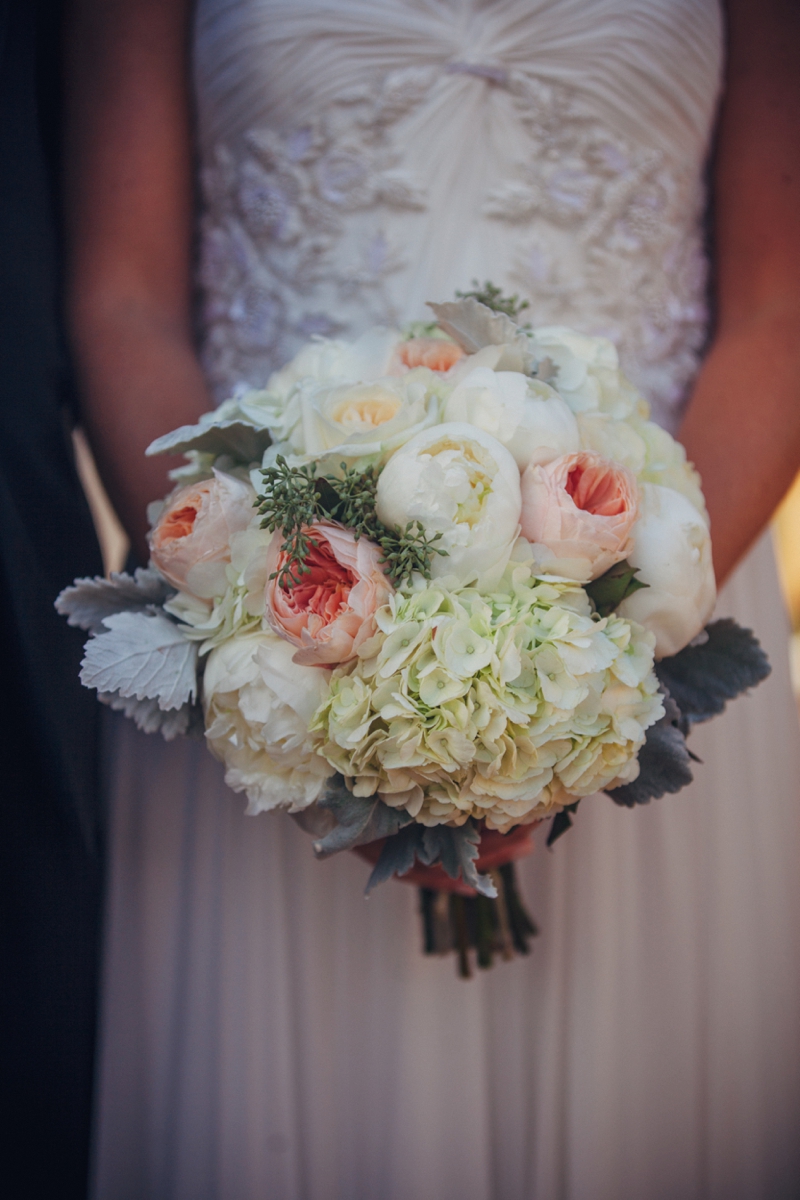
{"points": [[426, 585]]}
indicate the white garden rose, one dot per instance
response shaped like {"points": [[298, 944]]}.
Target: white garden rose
{"points": [[672, 554], [321, 362], [258, 705], [461, 482], [326, 360], [587, 371], [359, 420], [525, 415]]}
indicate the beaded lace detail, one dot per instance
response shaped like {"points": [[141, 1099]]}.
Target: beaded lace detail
{"points": [[601, 234], [285, 250]]}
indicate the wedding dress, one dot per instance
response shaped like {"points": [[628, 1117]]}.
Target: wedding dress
{"points": [[268, 1033]]}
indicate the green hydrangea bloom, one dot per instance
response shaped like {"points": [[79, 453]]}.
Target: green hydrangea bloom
{"points": [[501, 707]]}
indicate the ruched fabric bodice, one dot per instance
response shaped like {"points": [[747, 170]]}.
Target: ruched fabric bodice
{"points": [[364, 156]]}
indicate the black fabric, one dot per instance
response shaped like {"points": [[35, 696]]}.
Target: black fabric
{"points": [[50, 821]]}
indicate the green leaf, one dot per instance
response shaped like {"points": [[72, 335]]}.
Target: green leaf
{"points": [[562, 821], [608, 592]]}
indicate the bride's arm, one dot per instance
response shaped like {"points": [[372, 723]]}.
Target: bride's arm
{"points": [[129, 217], [743, 425]]}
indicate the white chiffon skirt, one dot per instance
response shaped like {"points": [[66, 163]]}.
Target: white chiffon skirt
{"points": [[269, 1034]]}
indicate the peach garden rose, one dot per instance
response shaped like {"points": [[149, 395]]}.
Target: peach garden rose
{"points": [[579, 511], [190, 541], [330, 611]]}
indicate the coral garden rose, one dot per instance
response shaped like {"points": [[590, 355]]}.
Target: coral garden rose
{"points": [[672, 553], [330, 611], [526, 416], [435, 353], [460, 482], [190, 542], [579, 511]]}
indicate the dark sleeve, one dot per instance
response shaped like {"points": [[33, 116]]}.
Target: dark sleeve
{"points": [[50, 818]]}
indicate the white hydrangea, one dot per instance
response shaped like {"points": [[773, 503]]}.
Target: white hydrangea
{"points": [[258, 706], [496, 707]]}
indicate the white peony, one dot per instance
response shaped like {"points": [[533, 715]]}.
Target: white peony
{"points": [[666, 463], [612, 439], [258, 705], [461, 482], [587, 371], [672, 553], [526, 416]]}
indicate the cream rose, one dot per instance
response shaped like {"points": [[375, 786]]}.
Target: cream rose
{"points": [[330, 610], [672, 553], [526, 416], [355, 420], [190, 543], [258, 706], [578, 511], [461, 482]]}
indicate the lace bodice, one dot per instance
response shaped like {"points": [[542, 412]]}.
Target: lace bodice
{"points": [[360, 157]]}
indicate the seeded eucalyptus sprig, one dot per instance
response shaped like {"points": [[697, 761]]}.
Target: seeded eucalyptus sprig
{"points": [[290, 503], [492, 296], [293, 499]]}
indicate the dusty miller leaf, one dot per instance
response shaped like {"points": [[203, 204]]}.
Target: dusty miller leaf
{"points": [[360, 819], [664, 762], [457, 850], [474, 326], [235, 428], [397, 856], [703, 676], [188, 719], [88, 602], [143, 656]]}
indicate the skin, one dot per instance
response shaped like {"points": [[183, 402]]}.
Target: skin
{"points": [[742, 428], [130, 224]]}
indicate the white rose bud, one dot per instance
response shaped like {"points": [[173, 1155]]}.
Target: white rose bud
{"points": [[526, 416], [461, 482], [672, 553]]}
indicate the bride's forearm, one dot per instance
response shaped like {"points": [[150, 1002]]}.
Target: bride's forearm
{"points": [[742, 428], [139, 379], [129, 220]]}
